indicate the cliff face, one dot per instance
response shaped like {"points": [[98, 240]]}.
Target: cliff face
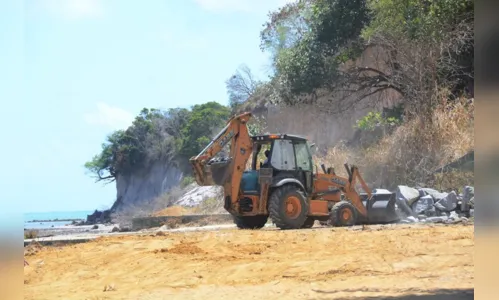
{"points": [[137, 189]]}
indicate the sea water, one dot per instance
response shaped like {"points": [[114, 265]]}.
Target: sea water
{"points": [[28, 217]]}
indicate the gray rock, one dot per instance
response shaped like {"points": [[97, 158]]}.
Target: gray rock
{"points": [[423, 205], [472, 213], [434, 193], [454, 215], [468, 194], [448, 203], [412, 219], [405, 196], [407, 193], [381, 192], [422, 193], [422, 217], [436, 219], [444, 214], [455, 218]]}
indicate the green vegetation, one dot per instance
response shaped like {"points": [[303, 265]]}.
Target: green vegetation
{"points": [[30, 234], [174, 135], [186, 181], [374, 119], [427, 45]]}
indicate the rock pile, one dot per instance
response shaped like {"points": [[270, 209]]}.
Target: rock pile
{"points": [[431, 206], [98, 217]]}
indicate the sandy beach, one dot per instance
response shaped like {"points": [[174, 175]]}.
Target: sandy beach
{"points": [[399, 261]]}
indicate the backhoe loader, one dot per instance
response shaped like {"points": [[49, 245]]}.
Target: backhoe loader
{"points": [[286, 189]]}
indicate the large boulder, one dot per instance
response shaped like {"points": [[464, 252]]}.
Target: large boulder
{"points": [[405, 197], [447, 203], [424, 205], [467, 197], [434, 193]]}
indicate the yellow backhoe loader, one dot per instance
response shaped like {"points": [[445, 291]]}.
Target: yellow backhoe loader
{"points": [[284, 188]]}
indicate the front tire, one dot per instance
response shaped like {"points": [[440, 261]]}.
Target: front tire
{"points": [[288, 207], [343, 213], [250, 222]]}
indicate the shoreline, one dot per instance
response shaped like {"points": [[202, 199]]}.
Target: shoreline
{"points": [[70, 230], [54, 220]]}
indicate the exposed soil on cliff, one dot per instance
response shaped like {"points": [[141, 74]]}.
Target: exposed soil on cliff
{"points": [[325, 263]]}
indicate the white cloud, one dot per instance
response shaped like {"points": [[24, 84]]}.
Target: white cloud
{"points": [[245, 6], [75, 9], [109, 116]]}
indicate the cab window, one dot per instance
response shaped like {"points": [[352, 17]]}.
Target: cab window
{"points": [[302, 157], [282, 157]]}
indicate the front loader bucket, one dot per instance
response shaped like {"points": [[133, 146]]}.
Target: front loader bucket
{"points": [[380, 209]]}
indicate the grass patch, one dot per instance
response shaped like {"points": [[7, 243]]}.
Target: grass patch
{"points": [[30, 234], [187, 180]]}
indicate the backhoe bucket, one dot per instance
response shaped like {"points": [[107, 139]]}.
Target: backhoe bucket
{"points": [[380, 209], [219, 171]]}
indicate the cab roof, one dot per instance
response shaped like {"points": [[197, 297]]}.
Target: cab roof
{"points": [[277, 136]]}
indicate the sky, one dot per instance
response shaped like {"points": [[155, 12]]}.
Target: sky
{"points": [[73, 71]]}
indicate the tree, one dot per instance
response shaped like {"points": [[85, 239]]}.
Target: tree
{"points": [[241, 86], [285, 28], [155, 135], [421, 46], [428, 45], [204, 122], [125, 149], [317, 37], [102, 165]]}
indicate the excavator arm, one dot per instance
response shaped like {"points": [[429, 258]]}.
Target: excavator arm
{"points": [[226, 172]]}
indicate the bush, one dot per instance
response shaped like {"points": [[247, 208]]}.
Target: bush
{"points": [[187, 180], [30, 234]]}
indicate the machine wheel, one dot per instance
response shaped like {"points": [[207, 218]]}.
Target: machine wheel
{"points": [[309, 223], [288, 207], [343, 213], [250, 222]]}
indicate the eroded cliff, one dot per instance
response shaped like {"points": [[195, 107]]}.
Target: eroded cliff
{"points": [[136, 190]]}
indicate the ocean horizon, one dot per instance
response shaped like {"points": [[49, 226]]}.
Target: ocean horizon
{"points": [[53, 215]]}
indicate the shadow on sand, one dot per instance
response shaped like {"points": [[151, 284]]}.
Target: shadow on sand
{"points": [[441, 294]]}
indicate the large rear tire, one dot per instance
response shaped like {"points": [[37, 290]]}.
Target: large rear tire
{"points": [[288, 207], [343, 213], [250, 222]]}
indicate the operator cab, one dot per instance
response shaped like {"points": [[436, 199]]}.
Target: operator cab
{"points": [[289, 157]]}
